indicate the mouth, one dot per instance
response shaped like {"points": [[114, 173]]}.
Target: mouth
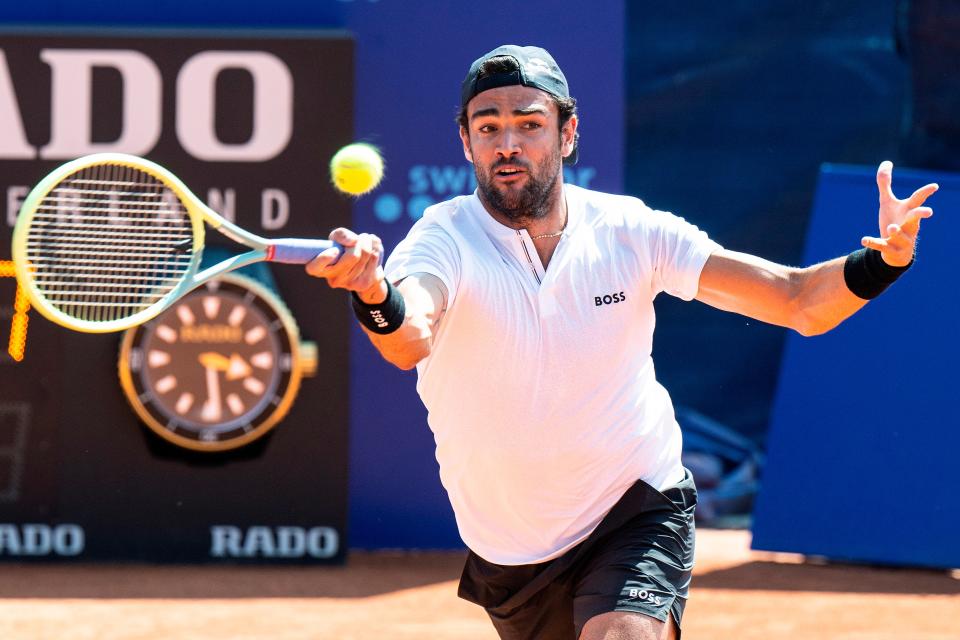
{"points": [[509, 173]]}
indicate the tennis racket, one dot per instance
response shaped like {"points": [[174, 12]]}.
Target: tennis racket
{"points": [[108, 241]]}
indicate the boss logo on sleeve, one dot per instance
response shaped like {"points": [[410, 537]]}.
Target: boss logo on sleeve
{"points": [[609, 299]]}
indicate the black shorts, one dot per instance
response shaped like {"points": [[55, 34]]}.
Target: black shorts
{"points": [[639, 558]]}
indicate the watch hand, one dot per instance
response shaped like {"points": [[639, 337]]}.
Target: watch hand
{"points": [[214, 360], [212, 410], [234, 366], [237, 368]]}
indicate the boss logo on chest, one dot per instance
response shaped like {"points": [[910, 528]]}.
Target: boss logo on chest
{"points": [[612, 298]]}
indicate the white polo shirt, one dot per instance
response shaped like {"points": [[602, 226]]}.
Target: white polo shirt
{"points": [[540, 387]]}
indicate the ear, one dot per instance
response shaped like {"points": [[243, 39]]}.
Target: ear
{"points": [[465, 139], [568, 135]]}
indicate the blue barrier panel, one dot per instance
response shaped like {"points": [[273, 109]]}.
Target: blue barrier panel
{"points": [[864, 441]]}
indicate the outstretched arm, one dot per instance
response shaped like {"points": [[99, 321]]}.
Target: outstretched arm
{"points": [[358, 270], [813, 299]]}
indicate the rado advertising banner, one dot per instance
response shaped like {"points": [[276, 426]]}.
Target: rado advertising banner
{"points": [[211, 433]]}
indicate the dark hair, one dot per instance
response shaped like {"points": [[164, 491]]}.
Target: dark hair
{"points": [[566, 107]]}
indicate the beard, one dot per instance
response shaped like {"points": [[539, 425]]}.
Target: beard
{"points": [[532, 201]]}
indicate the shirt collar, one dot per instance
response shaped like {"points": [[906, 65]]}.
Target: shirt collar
{"points": [[500, 231]]}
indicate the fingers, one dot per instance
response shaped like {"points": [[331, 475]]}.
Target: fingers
{"points": [[914, 216], [911, 221], [920, 195], [355, 268], [885, 187], [898, 239], [322, 261], [344, 236], [348, 271], [885, 181], [897, 248]]}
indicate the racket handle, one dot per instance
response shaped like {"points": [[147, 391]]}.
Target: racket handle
{"points": [[298, 250]]}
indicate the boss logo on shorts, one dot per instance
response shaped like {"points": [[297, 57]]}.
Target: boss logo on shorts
{"points": [[645, 596], [612, 298]]}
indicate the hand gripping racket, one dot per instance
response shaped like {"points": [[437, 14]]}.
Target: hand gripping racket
{"points": [[108, 241]]}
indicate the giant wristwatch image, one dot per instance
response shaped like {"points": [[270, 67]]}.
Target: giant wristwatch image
{"points": [[217, 370]]}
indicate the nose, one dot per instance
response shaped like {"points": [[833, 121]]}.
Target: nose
{"points": [[509, 144]]}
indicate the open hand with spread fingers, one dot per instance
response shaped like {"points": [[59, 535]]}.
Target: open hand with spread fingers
{"points": [[899, 219]]}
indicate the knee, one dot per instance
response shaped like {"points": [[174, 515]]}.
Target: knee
{"points": [[624, 625]]}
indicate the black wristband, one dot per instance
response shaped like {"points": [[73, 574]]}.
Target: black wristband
{"points": [[867, 275], [384, 317]]}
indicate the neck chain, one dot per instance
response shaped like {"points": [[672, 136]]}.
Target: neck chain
{"points": [[547, 235], [556, 234]]}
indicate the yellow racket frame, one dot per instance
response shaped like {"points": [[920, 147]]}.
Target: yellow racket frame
{"points": [[199, 214]]}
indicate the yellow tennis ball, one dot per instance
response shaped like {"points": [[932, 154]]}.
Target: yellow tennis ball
{"points": [[356, 169]]}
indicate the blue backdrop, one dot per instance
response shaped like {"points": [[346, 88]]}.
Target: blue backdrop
{"points": [[731, 109], [863, 442]]}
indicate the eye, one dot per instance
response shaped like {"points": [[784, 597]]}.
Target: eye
{"points": [[487, 128], [532, 125]]}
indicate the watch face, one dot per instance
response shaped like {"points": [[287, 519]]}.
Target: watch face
{"points": [[216, 370]]}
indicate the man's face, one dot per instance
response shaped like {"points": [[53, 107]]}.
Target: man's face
{"points": [[514, 142]]}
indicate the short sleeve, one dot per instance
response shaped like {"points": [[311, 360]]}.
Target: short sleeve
{"points": [[428, 248], [679, 251]]}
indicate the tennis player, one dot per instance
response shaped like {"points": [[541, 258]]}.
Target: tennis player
{"points": [[527, 309]]}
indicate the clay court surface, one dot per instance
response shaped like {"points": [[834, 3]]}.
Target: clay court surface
{"points": [[737, 594]]}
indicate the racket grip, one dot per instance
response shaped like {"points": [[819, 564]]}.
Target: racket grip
{"points": [[298, 250]]}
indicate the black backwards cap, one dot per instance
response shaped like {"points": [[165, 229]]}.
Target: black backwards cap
{"points": [[535, 68]]}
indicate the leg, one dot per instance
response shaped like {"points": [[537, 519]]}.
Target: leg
{"points": [[639, 574], [625, 625], [548, 614], [524, 602]]}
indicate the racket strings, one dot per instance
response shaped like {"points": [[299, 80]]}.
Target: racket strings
{"points": [[108, 242]]}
